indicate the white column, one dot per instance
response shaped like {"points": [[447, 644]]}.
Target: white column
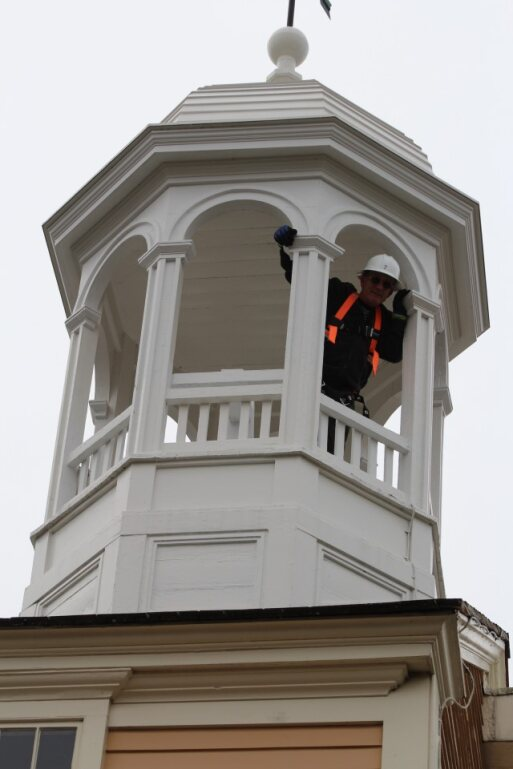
{"points": [[311, 257], [156, 351], [83, 329], [442, 406], [417, 399]]}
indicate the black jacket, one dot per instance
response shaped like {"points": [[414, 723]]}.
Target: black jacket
{"points": [[346, 367]]}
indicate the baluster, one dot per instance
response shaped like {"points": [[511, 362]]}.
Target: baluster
{"points": [[245, 413], [95, 466], [82, 475], [265, 419], [372, 457], [108, 455], [356, 448], [322, 441], [340, 438], [119, 449], [181, 431], [388, 474], [224, 413], [204, 413]]}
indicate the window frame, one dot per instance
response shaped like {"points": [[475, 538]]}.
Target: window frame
{"points": [[88, 717]]}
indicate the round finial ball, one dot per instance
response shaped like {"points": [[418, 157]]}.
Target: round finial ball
{"points": [[288, 41]]}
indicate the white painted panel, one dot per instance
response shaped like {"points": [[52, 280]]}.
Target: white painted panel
{"points": [[366, 519], [345, 583], [83, 528], [219, 486], [206, 573], [79, 596]]}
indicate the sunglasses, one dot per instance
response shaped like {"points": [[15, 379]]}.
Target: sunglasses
{"points": [[377, 280]]}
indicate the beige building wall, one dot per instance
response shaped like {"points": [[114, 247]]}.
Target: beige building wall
{"points": [[327, 747]]}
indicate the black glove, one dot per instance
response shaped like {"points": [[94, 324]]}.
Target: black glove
{"points": [[398, 303], [285, 235]]}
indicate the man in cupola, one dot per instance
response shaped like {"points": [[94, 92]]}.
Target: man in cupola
{"points": [[359, 329]]}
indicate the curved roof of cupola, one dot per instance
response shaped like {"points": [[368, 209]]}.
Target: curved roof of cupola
{"points": [[287, 98], [292, 101]]}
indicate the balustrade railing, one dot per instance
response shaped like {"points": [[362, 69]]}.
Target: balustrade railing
{"points": [[100, 453], [225, 406], [360, 446], [241, 409]]}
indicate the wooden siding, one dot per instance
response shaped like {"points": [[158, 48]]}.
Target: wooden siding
{"points": [[462, 729], [327, 747]]}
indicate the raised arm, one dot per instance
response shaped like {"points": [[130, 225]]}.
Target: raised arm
{"points": [[284, 236]]}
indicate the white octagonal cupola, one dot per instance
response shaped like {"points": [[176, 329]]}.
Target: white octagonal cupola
{"points": [[207, 482]]}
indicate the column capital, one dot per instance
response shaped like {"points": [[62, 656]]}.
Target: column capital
{"points": [[182, 249], [417, 302], [442, 395], [317, 243], [85, 316]]}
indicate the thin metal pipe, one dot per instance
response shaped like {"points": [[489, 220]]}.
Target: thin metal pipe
{"points": [[290, 17]]}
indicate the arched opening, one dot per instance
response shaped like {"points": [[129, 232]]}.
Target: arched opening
{"points": [[234, 306], [233, 317], [122, 307]]}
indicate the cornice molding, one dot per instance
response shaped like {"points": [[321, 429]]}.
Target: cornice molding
{"points": [[317, 655], [70, 683], [160, 143], [85, 316], [168, 251], [282, 139], [293, 680]]}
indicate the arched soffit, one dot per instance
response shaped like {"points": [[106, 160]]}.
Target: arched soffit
{"points": [[132, 242], [212, 206], [363, 235]]}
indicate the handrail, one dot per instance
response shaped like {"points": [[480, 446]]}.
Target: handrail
{"points": [[256, 392], [227, 377], [105, 433], [364, 425]]}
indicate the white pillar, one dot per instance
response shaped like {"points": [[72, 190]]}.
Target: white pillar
{"points": [[417, 399], [156, 351], [442, 406], [311, 257], [83, 329]]}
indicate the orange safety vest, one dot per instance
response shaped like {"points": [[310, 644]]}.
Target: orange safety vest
{"points": [[332, 331]]}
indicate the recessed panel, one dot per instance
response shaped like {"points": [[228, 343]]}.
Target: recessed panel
{"points": [[206, 573]]}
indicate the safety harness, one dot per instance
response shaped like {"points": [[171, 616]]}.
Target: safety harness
{"points": [[332, 330]]}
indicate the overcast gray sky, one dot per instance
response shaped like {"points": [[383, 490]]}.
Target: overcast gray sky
{"points": [[80, 79]]}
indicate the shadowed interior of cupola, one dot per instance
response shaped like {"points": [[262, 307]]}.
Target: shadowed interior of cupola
{"points": [[122, 308], [234, 305], [233, 310]]}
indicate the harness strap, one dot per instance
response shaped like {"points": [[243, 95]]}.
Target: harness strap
{"points": [[373, 353], [332, 330]]}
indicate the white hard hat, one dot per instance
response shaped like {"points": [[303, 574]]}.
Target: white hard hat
{"points": [[384, 264]]}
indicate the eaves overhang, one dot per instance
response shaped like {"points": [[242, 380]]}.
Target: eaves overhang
{"points": [[395, 640], [326, 136]]}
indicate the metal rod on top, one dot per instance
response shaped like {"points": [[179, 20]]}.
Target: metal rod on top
{"points": [[290, 16]]}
